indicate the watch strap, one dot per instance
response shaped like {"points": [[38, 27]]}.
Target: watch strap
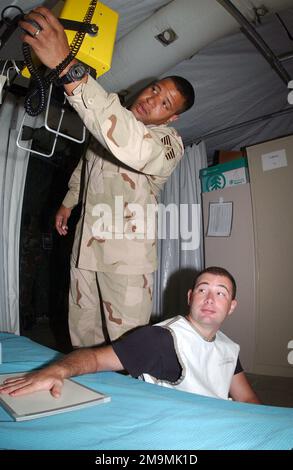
{"points": [[69, 76]]}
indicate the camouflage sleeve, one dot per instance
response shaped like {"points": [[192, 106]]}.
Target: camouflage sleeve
{"points": [[153, 150], [71, 198]]}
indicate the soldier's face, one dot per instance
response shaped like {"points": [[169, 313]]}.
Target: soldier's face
{"points": [[158, 103], [211, 300]]}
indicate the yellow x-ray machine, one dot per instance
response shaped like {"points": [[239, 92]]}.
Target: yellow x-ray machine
{"points": [[95, 50]]}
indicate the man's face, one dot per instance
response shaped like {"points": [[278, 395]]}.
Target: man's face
{"points": [[158, 103], [211, 300]]}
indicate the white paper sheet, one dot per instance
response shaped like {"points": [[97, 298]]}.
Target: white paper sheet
{"points": [[220, 219], [39, 404]]}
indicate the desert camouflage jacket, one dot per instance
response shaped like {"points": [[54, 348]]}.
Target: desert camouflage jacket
{"points": [[126, 165]]}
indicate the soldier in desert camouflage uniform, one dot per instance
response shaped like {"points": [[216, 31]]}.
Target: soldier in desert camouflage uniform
{"points": [[130, 157]]}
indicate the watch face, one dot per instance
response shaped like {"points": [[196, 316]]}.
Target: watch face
{"points": [[77, 71]]}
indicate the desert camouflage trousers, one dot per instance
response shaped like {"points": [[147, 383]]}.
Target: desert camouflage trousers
{"points": [[103, 306]]}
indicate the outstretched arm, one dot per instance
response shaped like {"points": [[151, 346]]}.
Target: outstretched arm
{"points": [[150, 151], [82, 361], [240, 390]]}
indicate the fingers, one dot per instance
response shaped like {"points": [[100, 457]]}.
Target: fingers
{"points": [[56, 390], [30, 26], [33, 23], [32, 29], [61, 225], [45, 34], [44, 18], [49, 17], [24, 390], [15, 385], [36, 382], [13, 380], [61, 220], [37, 19], [10, 383]]}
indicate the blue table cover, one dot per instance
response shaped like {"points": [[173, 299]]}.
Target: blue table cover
{"points": [[140, 416]]}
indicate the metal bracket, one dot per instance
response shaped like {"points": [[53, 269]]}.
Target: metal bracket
{"points": [[35, 151], [50, 129], [56, 131]]}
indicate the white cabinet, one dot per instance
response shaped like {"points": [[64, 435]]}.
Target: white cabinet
{"points": [[259, 253], [271, 176], [236, 253]]}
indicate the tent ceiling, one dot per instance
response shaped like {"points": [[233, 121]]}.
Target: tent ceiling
{"points": [[233, 81]]}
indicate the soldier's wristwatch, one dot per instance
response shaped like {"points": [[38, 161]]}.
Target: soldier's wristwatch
{"points": [[76, 72]]}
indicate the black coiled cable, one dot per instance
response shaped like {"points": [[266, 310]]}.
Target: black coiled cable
{"points": [[36, 99]]}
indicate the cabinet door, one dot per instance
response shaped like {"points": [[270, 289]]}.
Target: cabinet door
{"points": [[236, 253], [271, 179]]}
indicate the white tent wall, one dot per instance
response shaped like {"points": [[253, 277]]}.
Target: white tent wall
{"points": [[188, 19], [134, 12], [139, 56], [177, 264], [13, 165], [234, 84]]}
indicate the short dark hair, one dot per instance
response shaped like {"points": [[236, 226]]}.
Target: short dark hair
{"points": [[219, 272], [185, 89]]}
